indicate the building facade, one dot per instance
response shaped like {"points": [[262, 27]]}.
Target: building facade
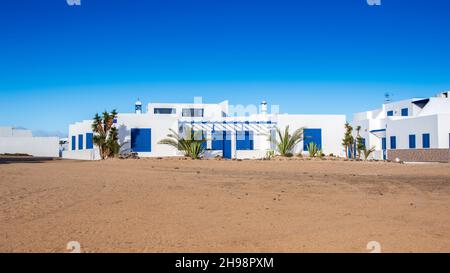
{"points": [[227, 134], [22, 141], [416, 130]]}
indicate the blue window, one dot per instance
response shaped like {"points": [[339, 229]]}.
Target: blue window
{"points": [[312, 135], [74, 143], [364, 142], [390, 113], [393, 142], [405, 112], [80, 142], [217, 140], [426, 141], [141, 140], [89, 141], [244, 140], [165, 111], [383, 143], [412, 141], [200, 135]]}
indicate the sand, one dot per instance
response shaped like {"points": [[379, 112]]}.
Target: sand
{"points": [[172, 205]]}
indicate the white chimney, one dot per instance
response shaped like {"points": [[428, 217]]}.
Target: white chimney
{"points": [[264, 108]]}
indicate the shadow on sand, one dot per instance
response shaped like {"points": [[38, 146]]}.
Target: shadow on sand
{"points": [[25, 159]]}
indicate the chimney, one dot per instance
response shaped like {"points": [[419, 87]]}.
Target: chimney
{"points": [[264, 108]]}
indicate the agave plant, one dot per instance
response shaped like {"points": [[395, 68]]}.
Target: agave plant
{"points": [[368, 152], [314, 150], [285, 143], [192, 145]]}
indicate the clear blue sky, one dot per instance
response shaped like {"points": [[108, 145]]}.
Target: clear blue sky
{"points": [[60, 64]]}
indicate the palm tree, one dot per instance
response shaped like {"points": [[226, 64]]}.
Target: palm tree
{"points": [[285, 143], [192, 145], [348, 140], [360, 146], [106, 136]]}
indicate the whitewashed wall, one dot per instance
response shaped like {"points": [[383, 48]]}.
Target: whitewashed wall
{"points": [[402, 128], [332, 129], [35, 146]]}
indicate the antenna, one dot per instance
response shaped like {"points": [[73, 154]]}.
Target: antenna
{"points": [[387, 97]]}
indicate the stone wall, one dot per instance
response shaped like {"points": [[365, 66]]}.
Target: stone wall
{"points": [[420, 155]]}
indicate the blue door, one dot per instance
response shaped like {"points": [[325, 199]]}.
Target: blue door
{"points": [[221, 140], [384, 146], [312, 135], [141, 140], [227, 145]]}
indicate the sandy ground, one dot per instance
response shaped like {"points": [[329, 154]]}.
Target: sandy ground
{"points": [[173, 205]]}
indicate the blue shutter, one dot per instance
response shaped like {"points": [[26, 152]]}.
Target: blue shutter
{"points": [[405, 112], [80, 142], [426, 141], [244, 140], [202, 134], [412, 141], [74, 143], [393, 142], [141, 140], [383, 143], [312, 135], [217, 140], [390, 113], [89, 141]]}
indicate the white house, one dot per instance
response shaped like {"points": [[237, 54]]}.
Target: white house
{"points": [[229, 134], [22, 141], [410, 130]]}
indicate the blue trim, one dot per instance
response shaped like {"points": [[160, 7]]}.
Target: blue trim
{"points": [[379, 130], [89, 141], [393, 140], [80, 142], [226, 122], [412, 141], [426, 141], [74, 143]]}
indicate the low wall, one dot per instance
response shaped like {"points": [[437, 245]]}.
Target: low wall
{"points": [[35, 146], [420, 155], [92, 154]]}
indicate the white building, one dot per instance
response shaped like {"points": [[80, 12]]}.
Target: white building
{"points": [[227, 134], [22, 141], [409, 130]]}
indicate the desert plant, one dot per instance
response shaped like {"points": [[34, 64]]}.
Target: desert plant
{"points": [[106, 136], [270, 154], [312, 148], [285, 143], [192, 145], [348, 140], [368, 152], [360, 146]]}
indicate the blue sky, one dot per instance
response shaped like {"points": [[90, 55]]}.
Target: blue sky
{"points": [[60, 64]]}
